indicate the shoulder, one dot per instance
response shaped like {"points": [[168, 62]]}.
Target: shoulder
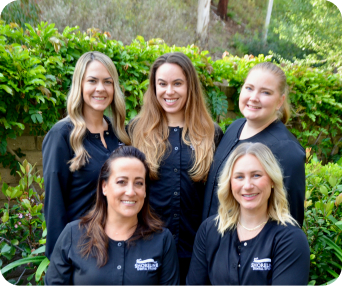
{"points": [[62, 127], [209, 226], [288, 233], [236, 125], [218, 134]]}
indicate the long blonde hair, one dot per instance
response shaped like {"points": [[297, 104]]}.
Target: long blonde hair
{"points": [[229, 208], [75, 108], [284, 113], [149, 131]]}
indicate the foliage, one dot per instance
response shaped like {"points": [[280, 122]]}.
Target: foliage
{"points": [[23, 225], [323, 220], [21, 12]]}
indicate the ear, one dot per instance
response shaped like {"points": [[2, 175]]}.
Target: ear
{"points": [[281, 101], [104, 188]]}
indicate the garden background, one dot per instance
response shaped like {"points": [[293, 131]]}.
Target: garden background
{"points": [[40, 42]]}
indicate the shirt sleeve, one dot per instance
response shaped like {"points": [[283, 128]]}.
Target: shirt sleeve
{"points": [[56, 154], [170, 268], [198, 271], [60, 268], [292, 160], [291, 259]]}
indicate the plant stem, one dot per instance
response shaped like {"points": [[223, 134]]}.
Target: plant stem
{"points": [[17, 247], [20, 277]]}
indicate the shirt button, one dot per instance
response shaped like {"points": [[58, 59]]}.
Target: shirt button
{"points": [[239, 247], [118, 267], [239, 265], [175, 170], [96, 136], [245, 244], [119, 244], [236, 140], [107, 133], [176, 148], [174, 236], [175, 129], [175, 215], [175, 193]]}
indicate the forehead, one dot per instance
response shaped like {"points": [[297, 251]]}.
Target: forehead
{"points": [[127, 167], [170, 70], [263, 78], [96, 67], [247, 163]]}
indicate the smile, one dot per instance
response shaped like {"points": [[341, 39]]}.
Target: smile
{"points": [[255, 107], [99, 98], [249, 196], [129, 202], [170, 100]]}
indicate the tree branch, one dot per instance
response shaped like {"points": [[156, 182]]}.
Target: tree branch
{"points": [[20, 277], [333, 150], [17, 247], [9, 149]]}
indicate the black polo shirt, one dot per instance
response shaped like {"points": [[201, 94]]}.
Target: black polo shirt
{"points": [[151, 261], [277, 255], [68, 195], [175, 197]]}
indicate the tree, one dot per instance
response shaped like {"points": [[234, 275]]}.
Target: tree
{"points": [[222, 9], [203, 23]]}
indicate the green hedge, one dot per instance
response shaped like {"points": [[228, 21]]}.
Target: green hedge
{"points": [[36, 67]]}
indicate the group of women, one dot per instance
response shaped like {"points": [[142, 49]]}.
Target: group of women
{"points": [[132, 214]]}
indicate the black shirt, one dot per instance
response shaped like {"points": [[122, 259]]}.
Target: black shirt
{"points": [[148, 261], [284, 146], [68, 195], [277, 255], [175, 197]]}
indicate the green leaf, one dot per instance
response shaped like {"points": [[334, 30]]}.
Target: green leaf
{"points": [[15, 241], [5, 217], [332, 181], [39, 250], [4, 188], [41, 268], [7, 89], [35, 259], [323, 189]]}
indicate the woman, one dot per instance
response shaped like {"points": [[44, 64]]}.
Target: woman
{"points": [[76, 147], [253, 239], [178, 136], [120, 241], [263, 102]]}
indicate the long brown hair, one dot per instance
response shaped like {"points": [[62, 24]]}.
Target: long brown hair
{"points": [[149, 131], [95, 241], [75, 108]]}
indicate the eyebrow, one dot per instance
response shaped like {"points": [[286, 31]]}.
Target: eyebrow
{"points": [[124, 177], [173, 80], [263, 88], [97, 78], [255, 171]]}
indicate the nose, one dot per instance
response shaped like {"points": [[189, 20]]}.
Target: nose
{"points": [[248, 184], [130, 190], [169, 89], [100, 87], [254, 96]]}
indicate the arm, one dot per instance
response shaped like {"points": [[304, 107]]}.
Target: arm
{"points": [[292, 161], [291, 259], [56, 172], [170, 269], [60, 268], [198, 271]]}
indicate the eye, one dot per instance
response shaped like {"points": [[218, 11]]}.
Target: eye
{"points": [[162, 83], [91, 80], [266, 92], [238, 177], [257, 175], [120, 182], [248, 88], [178, 83], [108, 82], [140, 183]]}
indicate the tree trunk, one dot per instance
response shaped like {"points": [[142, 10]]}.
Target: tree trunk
{"points": [[202, 33], [222, 9]]}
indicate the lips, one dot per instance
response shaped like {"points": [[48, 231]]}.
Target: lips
{"points": [[170, 101], [254, 107], [99, 98], [128, 202], [249, 197]]}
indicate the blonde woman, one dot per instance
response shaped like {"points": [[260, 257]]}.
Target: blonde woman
{"points": [[77, 146], [253, 239], [178, 137], [264, 103]]}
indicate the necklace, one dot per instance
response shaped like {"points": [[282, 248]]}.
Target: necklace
{"points": [[254, 228]]}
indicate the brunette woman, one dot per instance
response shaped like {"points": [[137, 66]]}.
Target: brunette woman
{"points": [[263, 101], [253, 240], [120, 241], [76, 147], [178, 136]]}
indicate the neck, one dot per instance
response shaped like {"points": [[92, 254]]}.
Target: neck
{"points": [[94, 120], [175, 119], [120, 228], [251, 128], [252, 219]]}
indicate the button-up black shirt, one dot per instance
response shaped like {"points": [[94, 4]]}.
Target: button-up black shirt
{"points": [[68, 195], [175, 197], [277, 255], [150, 261]]}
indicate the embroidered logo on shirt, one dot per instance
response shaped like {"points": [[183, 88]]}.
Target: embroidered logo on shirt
{"points": [[147, 264], [121, 143], [261, 264]]}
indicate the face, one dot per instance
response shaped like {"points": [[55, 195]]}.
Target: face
{"points": [[125, 189], [97, 88], [171, 88], [260, 97], [250, 184]]}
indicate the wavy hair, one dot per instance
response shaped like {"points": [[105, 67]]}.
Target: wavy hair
{"points": [[284, 112], [95, 241], [75, 108], [149, 131], [229, 208]]}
